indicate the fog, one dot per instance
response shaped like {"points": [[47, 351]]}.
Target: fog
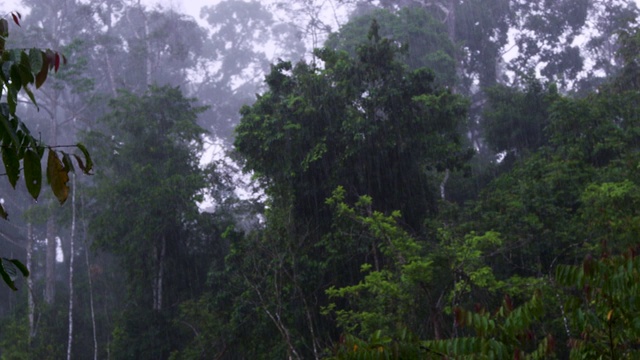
{"points": [[320, 179]]}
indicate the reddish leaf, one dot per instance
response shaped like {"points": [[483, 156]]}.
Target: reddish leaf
{"points": [[44, 71], [16, 17], [57, 62]]}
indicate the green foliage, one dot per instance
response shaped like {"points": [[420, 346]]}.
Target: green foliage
{"points": [[378, 346], [609, 209], [146, 191], [426, 39], [515, 120], [504, 333], [365, 123], [20, 71], [392, 284], [603, 306], [15, 340]]}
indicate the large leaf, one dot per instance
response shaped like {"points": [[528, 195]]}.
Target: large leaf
{"points": [[20, 266], [35, 60], [32, 173], [8, 130], [9, 273], [9, 269], [44, 71], [58, 176], [87, 166], [11, 164]]}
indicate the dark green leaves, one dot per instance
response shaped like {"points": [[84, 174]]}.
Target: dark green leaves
{"points": [[11, 164], [32, 173], [87, 165], [10, 269]]}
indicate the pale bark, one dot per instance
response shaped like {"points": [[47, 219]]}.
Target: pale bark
{"points": [[93, 312], [443, 184], [89, 276], [71, 253], [30, 302], [50, 262], [159, 276]]}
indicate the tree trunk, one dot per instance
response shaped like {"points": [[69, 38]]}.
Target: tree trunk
{"points": [[89, 276], [71, 253], [159, 276], [50, 263], [30, 302]]}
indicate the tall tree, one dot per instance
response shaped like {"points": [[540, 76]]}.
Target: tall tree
{"points": [[366, 123], [147, 189]]}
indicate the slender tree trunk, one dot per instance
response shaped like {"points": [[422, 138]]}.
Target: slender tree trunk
{"points": [[50, 262], [451, 20], [158, 280], [112, 81], [148, 57], [443, 185], [30, 302], [91, 306], [86, 258], [71, 253]]}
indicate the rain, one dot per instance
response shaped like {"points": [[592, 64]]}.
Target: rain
{"points": [[320, 179]]}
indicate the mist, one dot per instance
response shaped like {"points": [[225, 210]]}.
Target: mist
{"points": [[320, 179]]}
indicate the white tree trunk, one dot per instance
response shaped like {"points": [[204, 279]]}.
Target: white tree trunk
{"points": [[50, 262], [71, 253], [159, 275], [30, 302], [86, 258], [443, 185]]}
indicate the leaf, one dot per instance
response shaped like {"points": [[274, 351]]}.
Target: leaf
{"points": [[9, 272], [16, 77], [44, 71], [88, 163], [9, 130], [58, 177], [32, 173], [57, 62], [68, 164], [35, 60], [7, 279], [16, 17], [11, 164], [23, 269]]}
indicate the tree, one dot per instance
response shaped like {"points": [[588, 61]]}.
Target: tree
{"points": [[147, 193], [366, 123], [514, 120], [427, 40]]}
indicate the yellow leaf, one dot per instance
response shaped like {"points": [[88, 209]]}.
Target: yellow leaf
{"points": [[58, 177], [609, 315]]}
